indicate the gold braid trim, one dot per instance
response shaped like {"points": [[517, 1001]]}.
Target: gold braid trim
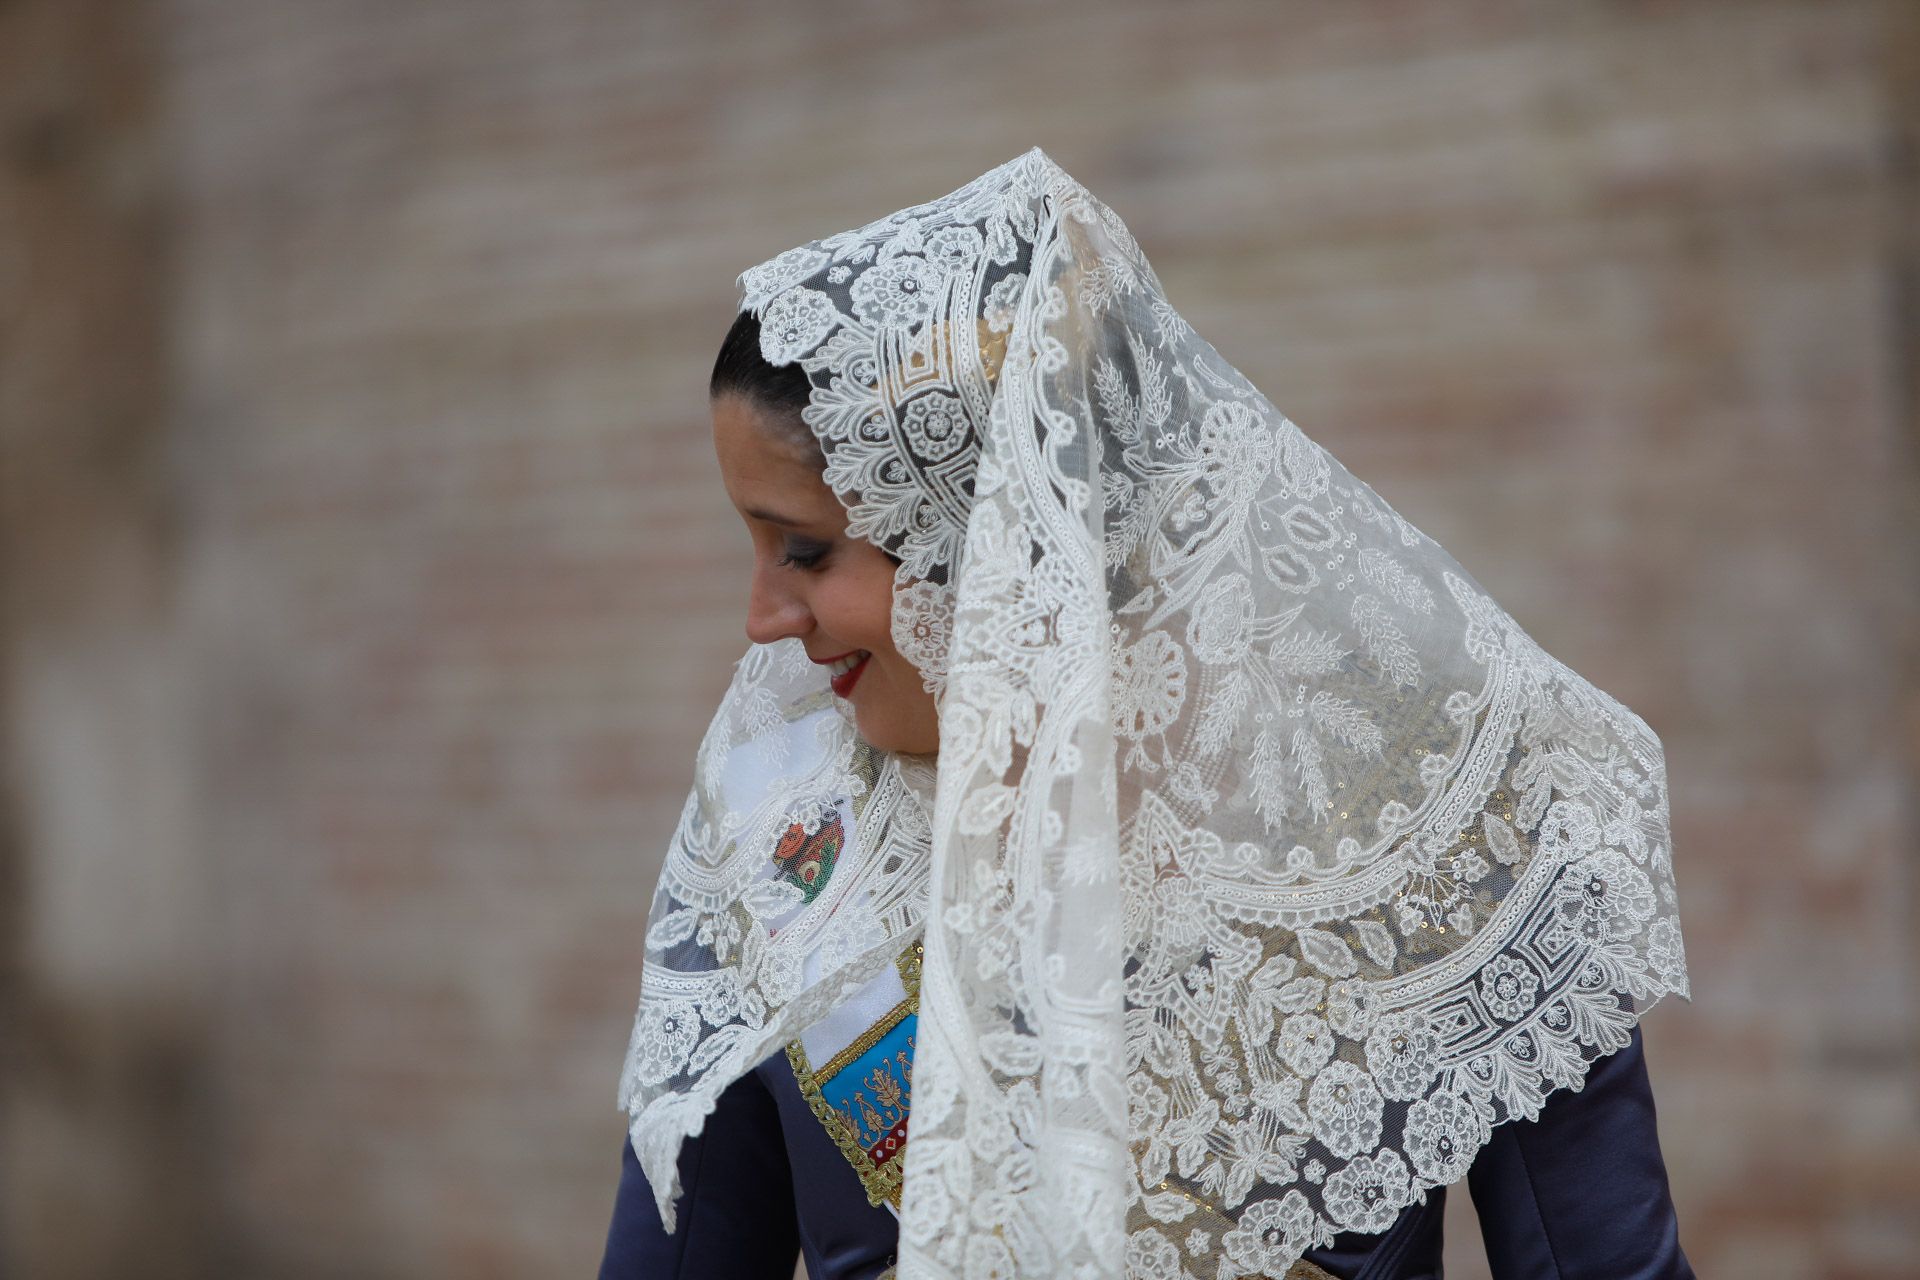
{"points": [[882, 1182], [872, 1036]]}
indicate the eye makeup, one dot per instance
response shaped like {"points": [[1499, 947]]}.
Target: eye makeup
{"points": [[803, 553]]}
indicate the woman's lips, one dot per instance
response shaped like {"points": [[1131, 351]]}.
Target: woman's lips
{"points": [[843, 683]]}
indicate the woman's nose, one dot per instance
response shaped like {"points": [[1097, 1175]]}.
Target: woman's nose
{"points": [[773, 612]]}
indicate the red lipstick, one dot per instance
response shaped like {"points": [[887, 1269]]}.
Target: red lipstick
{"points": [[843, 683]]}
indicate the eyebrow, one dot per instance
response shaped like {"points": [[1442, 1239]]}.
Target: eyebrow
{"points": [[774, 517]]}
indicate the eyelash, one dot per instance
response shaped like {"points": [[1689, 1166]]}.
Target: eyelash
{"points": [[809, 558]]}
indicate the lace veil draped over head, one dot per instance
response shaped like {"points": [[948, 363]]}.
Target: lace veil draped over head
{"points": [[1265, 863]]}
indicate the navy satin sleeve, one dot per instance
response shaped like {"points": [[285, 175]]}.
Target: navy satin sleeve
{"points": [[735, 1215], [1580, 1191], [761, 1185], [842, 1235]]}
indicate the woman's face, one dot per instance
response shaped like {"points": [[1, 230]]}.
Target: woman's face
{"points": [[815, 582]]}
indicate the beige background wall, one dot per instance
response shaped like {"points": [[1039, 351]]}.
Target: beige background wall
{"points": [[367, 582]]}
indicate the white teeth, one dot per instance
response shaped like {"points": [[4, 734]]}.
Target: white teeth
{"points": [[848, 663]]}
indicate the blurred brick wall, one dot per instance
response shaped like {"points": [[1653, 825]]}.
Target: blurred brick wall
{"points": [[103, 1053], [1616, 300]]}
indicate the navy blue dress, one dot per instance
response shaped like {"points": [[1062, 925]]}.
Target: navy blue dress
{"points": [[1578, 1193]]}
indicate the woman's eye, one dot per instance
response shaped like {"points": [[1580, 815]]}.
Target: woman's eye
{"points": [[803, 555]]}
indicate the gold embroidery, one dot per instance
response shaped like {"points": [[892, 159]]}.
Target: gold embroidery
{"points": [[886, 1089], [882, 1181]]}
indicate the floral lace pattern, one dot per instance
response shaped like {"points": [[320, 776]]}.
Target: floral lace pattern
{"points": [[1268, 863]]}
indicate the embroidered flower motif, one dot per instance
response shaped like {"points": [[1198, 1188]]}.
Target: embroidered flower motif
{"points": [[1400, 1052], [1270, 1234], [896, 293], [1146, 1104], [780, 975], [1666, 953], [721, 1002], [1510, 987], [1443, 1133], [782, 272], [1281, 1096], [1188, 784], [922, 626], [1351, 1007], [794, 323], [1151, 1254], [1179, 916], [1367, 1194], [1345, 1108], [1422, 854], [1149, 685], [662, 1039], [1199, 1242], [1146, 1122], [1568, 830], [1467, 866], [1221, 621], [1306, 1043], [1002, 300], [1236, 449], [1522, 1047], [935, 426], [954, 248], [1603, 897]]}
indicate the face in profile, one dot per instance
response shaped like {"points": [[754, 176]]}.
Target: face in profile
{"points": [[816, 583]]}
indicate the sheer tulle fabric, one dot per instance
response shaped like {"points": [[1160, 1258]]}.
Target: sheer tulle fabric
{"points": [[1266, 864]]}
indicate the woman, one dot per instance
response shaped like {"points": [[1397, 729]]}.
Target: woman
{"points": [[1124, 792]]}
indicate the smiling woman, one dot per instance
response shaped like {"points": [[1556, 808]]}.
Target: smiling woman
{"points": [[1120, 789], [812, 580]]}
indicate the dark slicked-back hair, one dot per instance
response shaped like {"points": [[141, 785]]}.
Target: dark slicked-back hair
{"points": [[780, 389]]}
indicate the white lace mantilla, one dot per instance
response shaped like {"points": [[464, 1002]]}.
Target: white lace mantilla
{"points": [[1266, 864]]}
